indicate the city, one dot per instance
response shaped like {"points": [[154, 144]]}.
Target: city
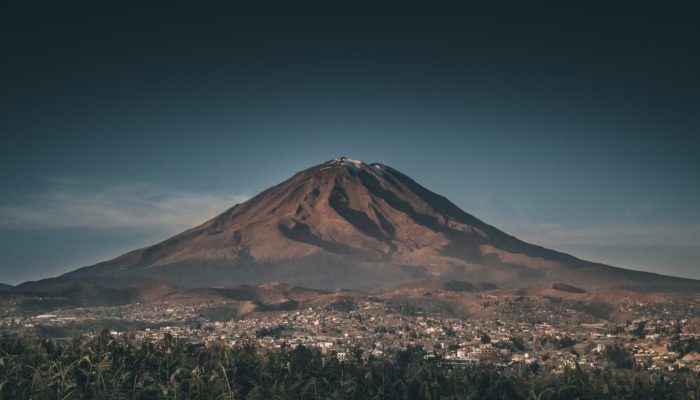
{"points": [[552, 333]]}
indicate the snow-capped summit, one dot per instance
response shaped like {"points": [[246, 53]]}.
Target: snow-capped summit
{"points": [[350, 161], [351, 165], [343, 162]]}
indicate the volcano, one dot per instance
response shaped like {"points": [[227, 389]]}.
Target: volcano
{"points": [[348, 224]]}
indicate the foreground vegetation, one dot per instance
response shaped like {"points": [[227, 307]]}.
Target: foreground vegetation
{"points": [[104, 367]]}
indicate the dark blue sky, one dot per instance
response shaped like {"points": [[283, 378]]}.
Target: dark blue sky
{"points": [[575, 127]]}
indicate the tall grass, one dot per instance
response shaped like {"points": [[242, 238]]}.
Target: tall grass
{"points": [[105, 367]]}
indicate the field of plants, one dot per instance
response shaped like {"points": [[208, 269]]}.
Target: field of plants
{"points": [[105, 367]]}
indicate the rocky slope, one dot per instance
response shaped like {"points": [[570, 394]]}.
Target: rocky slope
{"points": [[347, 224]]}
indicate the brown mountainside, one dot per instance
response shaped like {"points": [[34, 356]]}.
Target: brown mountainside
{"points": [[347, 224]]}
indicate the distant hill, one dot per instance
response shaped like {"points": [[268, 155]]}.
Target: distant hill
{"points": [[436, 296], [563, 287], [348, 224], [239, 300], [4, 286], [442, 285]]}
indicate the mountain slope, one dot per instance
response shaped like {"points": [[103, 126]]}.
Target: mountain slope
{"points": [[348, 224]]}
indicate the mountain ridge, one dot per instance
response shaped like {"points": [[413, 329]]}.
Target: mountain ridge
{"points": [[348, 224]]}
